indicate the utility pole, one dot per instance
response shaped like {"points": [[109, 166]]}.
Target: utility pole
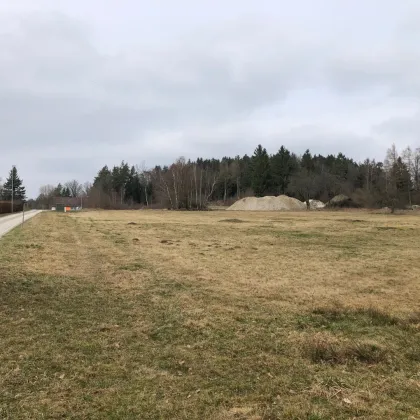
{"points": [[13, 177]]}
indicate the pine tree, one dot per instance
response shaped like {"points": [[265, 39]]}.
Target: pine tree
{"points": [[260, 171], [14, 187]]}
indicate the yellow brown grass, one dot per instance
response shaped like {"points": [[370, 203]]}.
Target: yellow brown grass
{"points": [[183, 315]]}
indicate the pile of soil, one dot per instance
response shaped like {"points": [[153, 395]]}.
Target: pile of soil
{"points": [[269, 203]]}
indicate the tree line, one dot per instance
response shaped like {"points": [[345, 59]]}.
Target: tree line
{"points": [[49, 194], [187, 184]]}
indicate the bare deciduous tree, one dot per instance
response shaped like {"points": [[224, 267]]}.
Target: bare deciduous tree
{"points": [[184, 185], [87, 186], [225, 176], [75, 188], [46, 190], [235, 170], [305, 185], [389, 162], [46, 196]]}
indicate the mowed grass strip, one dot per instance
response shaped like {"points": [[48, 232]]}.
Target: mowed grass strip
{"points": [[152, 315]]}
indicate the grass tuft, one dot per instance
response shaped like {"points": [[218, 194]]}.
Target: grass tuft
{"points": [[365, 352], [369, 315], [322, 348], [133, 267], [325, 348], [414, 318]]}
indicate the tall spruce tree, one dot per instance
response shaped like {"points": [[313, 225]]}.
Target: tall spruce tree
{"points": [[133, 189], [283, 164], [402, 181], [260, 171], [103, 181], [307, 161], [14, 187]]}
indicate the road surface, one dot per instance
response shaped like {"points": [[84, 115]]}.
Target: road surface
{"points": [[7, 223]]}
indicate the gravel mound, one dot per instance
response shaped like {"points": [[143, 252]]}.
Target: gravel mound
{"points": [[338, 199], [316, 204], [342, 201], [269, 203]]}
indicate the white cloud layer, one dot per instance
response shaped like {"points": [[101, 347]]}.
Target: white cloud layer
{"points": [[83, 84]]}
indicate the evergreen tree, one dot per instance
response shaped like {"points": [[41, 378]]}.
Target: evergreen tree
{"points": [[133, 190], [103, 181], [283, 164], [58, 192], [66, 192], [246, 173], [402, 182], [120, 177], [260, 171], [341, 167], [307, 162], [14, 187]]}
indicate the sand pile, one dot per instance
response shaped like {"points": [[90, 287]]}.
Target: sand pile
{"points": [[269, 203], [316, 204]]}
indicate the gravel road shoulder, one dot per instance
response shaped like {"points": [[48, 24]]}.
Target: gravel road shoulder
{"points": [[7, 223]]}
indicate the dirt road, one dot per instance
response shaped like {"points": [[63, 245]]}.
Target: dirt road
{"points": [[7, 223]]}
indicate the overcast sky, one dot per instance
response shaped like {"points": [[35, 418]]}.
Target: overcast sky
{"points": [[84, 83]]}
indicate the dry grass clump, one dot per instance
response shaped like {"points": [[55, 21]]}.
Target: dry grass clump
{"points": [[365, 316], [371, 314], [323, 347], [414, 318]]}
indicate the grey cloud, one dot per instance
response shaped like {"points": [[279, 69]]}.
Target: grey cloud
{"points": [[405, 131], [69, 105], [395, 72], [47, 54], [67, 167], [241, 138], [390, 63], [55, 87], [326, 141], [34, 121]]}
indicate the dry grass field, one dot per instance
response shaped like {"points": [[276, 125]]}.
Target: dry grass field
{"points": [[213, 315]]}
